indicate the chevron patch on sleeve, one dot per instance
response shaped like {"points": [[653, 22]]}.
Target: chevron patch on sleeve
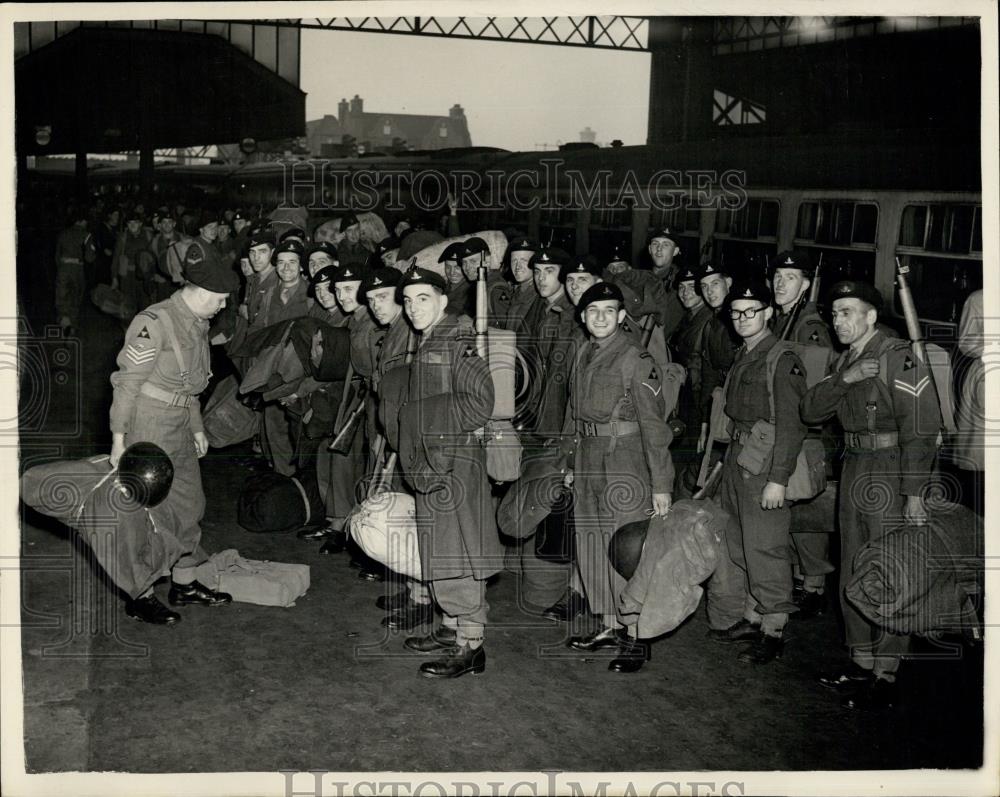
{"points": [[912, 390], [139, 356]]}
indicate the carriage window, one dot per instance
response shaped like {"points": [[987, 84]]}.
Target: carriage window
{"points": [[952, 228], [837, 223], [940, 285], [757, 219]]}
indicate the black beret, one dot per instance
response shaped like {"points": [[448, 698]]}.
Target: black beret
{"points": [[750, 289], [600, 292], [616, 256], [660, 232], [262, 237], [553, 254], [474, 246], [522, 245], [581, 265], [710, 270], [349, 273], [326, 247], [686, 275], [794, 259], [386, 245], [348, 221], [855, 289], [293, 232], [383, 277], [325, 274], [291, 245], [454, 251], [422, 276], [210, 274]]}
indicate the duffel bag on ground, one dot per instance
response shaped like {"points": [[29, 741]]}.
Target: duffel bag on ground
{"points": [[385, 526], [270, 502], [253, 581]]}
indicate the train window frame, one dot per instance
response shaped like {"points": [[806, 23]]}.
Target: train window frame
{"points": [[949, 207], [819, 202], [757, 238], [687, 209]]}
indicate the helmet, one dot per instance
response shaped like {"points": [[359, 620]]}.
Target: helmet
{"points": [[146, 472], [626, 546]]}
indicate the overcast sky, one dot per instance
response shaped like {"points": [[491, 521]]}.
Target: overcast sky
{"points": [[515, 96]]}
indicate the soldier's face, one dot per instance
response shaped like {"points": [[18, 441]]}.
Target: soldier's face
{"points": [[288, 267], [134, 226], [245, 267], [389, 258], [319, 260], [788, 285], [576, 284], [470, 267], [224, 231], [546, 279], [852, 319], [382, 303], [662, 251], [208, 303], [714, 289], [687, 292], [347, 295], [602, 318], [239, 224], [424, 306], [167, 225], [325, 296], [453, 272], [353, 233], [746, 327], [210, 231], [260, 257], [519, 266]]}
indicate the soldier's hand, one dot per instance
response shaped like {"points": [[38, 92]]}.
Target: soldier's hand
{"points": [[703, 438], [914, 510], [773, 496], [200, 444], [568, 478], [862, 369], [661, 504], [244, 312], [117, 449]]}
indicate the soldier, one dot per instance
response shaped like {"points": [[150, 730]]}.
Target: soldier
{"points": [[166, 239], [259, 288], [449, 397], [685, 346], [460, 292], [74, 249], [133, 262], [661, 243], [321, 255], [885, 400], [162, 368], [616, 411], [753, 482], [475, 252], [351, 251], [516, 301], [797, 319], [203, 249]]}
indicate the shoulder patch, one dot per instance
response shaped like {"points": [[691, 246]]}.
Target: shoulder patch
{"points": [[194, 254], [149, 313], [814, 337], [143, 333], [796, 371], [908, 363], [470, 351]]}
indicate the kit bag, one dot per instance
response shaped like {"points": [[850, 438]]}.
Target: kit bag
{"points": [[253, 581]]}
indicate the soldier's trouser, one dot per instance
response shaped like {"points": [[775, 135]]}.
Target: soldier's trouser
{"points": [[339, 475], [868, 503], [758, 541], [277, 440], [463, 602], [69, 292], [811, 558], [611, 488], [183, 508]]}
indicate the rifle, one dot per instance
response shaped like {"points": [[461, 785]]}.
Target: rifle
{"points": [[814, 287], [345, 437], [482, 342], [338, 424], [383, 477]]}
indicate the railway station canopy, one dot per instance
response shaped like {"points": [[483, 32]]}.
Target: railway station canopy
{"points": [[116, 90]]}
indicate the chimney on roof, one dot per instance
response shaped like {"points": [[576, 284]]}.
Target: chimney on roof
{"points": [[456, 112], [357, 106], [342, 109], [588, 135]]}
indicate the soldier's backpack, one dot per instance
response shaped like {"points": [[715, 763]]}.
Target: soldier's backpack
{"points": [[809, 477]]}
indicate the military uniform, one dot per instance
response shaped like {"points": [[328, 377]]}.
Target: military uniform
{"points": [[449, 397], [758, 538], [685, 345], [890, 428], [810, 328], [156, 390], [616, 410], [74, 249], [202, 252]]}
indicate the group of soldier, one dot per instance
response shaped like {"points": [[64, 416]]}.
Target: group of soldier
{"points": [[603, 343]]}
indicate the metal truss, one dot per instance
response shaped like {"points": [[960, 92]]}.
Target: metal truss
{"points": [[606, 32], [745, 34]]}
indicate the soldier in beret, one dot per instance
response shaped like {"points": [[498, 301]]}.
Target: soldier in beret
{"points": [[515, 299], [753, 493], [661, 243], [615, 412], [458, 288], [719, 342], [260, 285], [797, 319], [321, 255], [162, 367], [351, 250], [884, 398], [449, 396], [686, 348]]}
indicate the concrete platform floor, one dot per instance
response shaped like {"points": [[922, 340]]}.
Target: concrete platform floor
{"points": [[323, 686]]}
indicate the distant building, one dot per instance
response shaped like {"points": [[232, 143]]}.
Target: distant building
{"points": [[588, 135], [333, 136]]}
